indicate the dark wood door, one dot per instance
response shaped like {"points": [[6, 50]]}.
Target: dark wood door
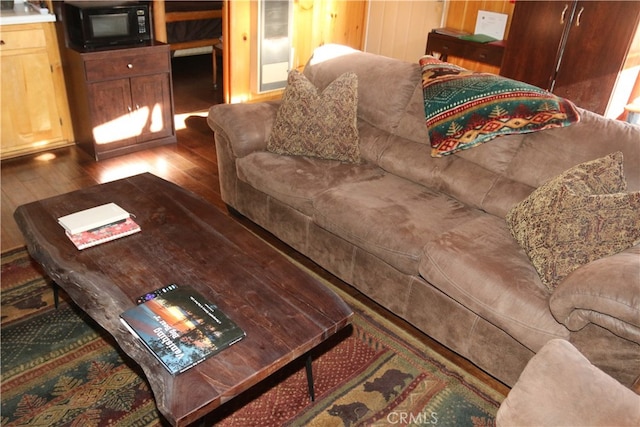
{"points": [[131, 111], [534, 40], [110, 105], [597, 45], [152, 112]]}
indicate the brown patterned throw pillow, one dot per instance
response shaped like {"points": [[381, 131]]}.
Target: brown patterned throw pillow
{"points": [[315, 124], [578, 217]]}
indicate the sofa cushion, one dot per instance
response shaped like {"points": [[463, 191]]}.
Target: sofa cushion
{"points": [[577, 217], [390, 217], [465, 108], [468, 176], [479, 265], [297, 180], [315, 124]]}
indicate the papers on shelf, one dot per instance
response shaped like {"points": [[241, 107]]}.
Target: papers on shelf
{"points": [[491, 24]]}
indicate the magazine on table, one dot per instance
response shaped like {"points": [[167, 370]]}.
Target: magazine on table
{"points": [[180, 327]]}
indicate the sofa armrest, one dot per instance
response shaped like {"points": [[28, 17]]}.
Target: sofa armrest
{"points": [[246, 126], [605, 292], [560, 387]]}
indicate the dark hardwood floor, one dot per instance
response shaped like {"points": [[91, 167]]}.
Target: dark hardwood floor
{"points": [[191, 163]]}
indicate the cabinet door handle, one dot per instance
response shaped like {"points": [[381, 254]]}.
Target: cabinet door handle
{"points": [[579, 16], [564, 12], [129, 66], [1, 42]]}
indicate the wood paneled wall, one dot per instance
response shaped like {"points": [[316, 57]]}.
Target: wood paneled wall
{"points": [[316, 22], [394, 28], [319, 22], [399, 29], [462, 14]]}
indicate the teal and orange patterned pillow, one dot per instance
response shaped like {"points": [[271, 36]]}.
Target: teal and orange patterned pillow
{"points": [[465, 108]]}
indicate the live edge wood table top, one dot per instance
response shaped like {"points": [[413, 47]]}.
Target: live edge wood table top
{"points": [[185, 240]]}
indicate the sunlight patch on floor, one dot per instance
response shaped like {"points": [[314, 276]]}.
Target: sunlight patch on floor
{"points": [[158, 167], [180, 119], [46, 157], [124, 171]]}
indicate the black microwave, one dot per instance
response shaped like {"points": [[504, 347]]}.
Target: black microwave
{"points": [[97, 24]]}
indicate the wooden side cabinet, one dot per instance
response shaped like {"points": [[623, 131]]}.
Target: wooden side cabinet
{"points": [[35, 115], [486, 53], [121, 99]]}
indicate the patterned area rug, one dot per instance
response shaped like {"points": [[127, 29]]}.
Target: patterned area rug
{"points": [[60, 369]]}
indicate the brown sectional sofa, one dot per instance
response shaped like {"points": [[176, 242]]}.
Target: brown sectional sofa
{"points": [[426, 237]]}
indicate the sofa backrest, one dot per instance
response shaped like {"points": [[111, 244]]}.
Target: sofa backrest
{"points": [[387, 90], [493, 176], [543, 155], [509, 168]]}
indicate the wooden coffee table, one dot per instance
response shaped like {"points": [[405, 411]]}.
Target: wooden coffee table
{"points": [[185, 240]]}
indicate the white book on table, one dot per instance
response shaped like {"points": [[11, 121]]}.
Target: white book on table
{"points": [[93, 218]]}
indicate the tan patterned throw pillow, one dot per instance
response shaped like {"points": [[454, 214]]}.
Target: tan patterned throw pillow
{"points": [[315, 124], [578, 217]]}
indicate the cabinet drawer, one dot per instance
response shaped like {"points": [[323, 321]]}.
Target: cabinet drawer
{"points": [[117, 67], [22, 39], [487, 55], [445, 46]]}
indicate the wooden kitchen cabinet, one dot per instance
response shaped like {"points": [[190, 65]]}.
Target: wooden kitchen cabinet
{"points": [[576, 49], [122, 99], [35, 115]]}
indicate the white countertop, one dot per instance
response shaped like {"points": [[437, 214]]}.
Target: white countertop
{"points": [[25, 13]]}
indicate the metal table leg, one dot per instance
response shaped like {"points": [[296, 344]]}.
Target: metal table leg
{"points": [[309, 370]]}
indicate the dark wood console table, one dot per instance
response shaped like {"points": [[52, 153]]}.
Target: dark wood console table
{"points": [[487, 53]]}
